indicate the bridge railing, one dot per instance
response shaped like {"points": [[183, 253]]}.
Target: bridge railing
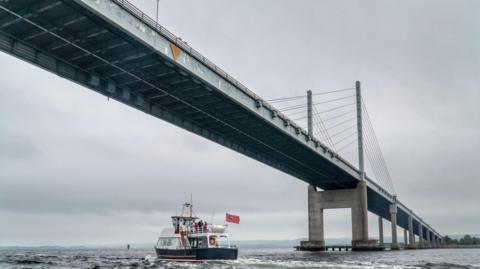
{"points": [[182, 44], [132, 9]]}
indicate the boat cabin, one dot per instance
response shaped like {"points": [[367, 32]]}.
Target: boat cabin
{"points": [[171, 240]]}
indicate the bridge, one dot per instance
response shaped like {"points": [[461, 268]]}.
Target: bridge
{"points": [[113, 48]]}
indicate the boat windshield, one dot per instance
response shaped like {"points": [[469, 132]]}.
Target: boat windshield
{"points": [[169, 242]]}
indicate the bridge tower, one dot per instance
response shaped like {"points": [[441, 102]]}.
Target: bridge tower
{"points": [[355, 199]]}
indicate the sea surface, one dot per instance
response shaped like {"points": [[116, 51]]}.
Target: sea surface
{"points": [[261, 259]]}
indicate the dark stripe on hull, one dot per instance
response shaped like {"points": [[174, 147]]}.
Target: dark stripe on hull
{"points": [[197, 254]]}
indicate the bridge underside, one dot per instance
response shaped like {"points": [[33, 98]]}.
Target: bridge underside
{"points": [[67, 39]]}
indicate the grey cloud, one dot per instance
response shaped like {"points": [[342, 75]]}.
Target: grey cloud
{"points": [[17, 147]]}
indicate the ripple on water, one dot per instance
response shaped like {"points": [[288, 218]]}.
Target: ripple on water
{"points": [[101, 258]]}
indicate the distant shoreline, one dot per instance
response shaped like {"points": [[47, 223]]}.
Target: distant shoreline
{"points": [[459, 246]]}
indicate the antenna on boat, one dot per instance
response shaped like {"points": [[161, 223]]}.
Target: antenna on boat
{"points": [[191, 205]]}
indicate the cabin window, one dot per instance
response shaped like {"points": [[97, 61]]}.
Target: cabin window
{"points": [[169, 242]]}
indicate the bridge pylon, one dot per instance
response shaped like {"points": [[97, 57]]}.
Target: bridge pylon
{"points": [[355, 198]]}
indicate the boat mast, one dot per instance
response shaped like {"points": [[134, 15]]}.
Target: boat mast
{"points": [[191, 205]]}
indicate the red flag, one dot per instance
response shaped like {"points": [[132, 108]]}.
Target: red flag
{"points": [[232, 218]]}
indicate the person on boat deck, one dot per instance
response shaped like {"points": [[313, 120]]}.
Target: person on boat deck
{"points": [[200, 226], [195, 226]]}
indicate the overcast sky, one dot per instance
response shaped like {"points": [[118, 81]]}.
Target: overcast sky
{"points": [[78, 169]]}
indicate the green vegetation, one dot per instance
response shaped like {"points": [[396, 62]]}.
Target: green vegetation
{"points": [[466, 240]]}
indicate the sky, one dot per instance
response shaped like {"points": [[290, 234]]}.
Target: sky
{"points": [[76, 168]]}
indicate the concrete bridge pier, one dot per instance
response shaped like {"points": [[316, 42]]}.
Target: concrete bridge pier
{"points": [[393, 220], [380, 231], [420, 235], [429, 243], [434, 241], [356, 199], [316, 240], [405, 238], [411, 235]]}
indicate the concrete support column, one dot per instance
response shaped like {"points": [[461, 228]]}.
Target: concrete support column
{"points": [[405, 238], [315, 221], [393, 215], [420, 235], [434, 241], [360, 216], [380, 231], [411, 235], [429, 243]]}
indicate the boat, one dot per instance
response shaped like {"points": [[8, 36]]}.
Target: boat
{"points": [[193, 239]]}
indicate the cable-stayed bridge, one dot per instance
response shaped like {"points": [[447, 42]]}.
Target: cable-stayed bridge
{"points": [[111, 47]]}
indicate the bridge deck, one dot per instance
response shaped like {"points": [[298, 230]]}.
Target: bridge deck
{"points": [[114, 49]]}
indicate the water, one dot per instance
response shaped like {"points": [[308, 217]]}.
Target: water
{"points": [[261, 259]]}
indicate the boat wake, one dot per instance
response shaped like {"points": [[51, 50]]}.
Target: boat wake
{"points": [[279, 264]]}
